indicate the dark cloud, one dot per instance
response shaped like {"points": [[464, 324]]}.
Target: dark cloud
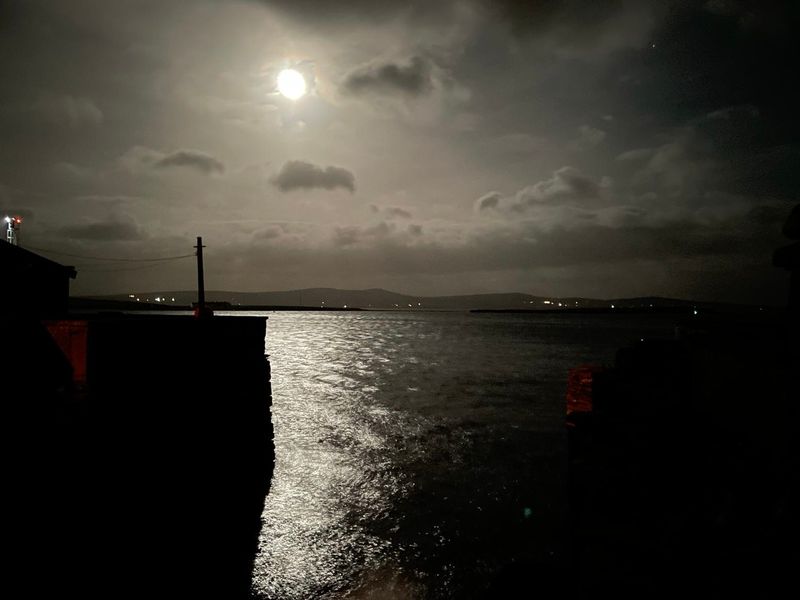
{"points": [[750, 51], [347, 235], [395, 212], [110, 230], [728, 149], [297, 174], [636, 154], [69, 110], [568, 185], [579, 24], [589, 137], [739, 237], [330, 14], [191, 159], [268, 233], [379, 229], [391, 212], [726, 247], [73, 171], [743, 236], [14, 211], [412, 78], [488, 201], [350, 235], [685, 165], [747, 111], [139, 158], [775, 18]]}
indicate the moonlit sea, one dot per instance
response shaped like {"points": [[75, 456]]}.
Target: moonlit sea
{"points": [[419, 454]]}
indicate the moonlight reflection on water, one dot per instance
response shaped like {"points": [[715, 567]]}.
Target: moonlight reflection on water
{"points": [[418, 453]]}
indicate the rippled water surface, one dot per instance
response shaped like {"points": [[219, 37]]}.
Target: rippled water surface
{"points": [[419, 454]]}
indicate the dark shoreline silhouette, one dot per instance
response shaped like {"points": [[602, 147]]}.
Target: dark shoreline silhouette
{"points": [[383, 299], [677, 307], [151, 473]]}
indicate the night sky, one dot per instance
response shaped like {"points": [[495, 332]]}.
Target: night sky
{"points": [[559, 147]]}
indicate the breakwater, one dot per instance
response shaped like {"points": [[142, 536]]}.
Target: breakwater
{"points": [[142, 452], [681, 476]]}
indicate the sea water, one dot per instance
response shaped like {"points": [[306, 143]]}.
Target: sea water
{"points": [[420, 454]]}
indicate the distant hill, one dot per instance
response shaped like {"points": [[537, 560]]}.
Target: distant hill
{"points": [[383, 299], [336, 298]]}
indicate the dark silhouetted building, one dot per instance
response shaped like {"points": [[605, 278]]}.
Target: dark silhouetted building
{"points": [[31, 284]]}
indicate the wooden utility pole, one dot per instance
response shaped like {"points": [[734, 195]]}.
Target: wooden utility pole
{"points": [[201, 286]]}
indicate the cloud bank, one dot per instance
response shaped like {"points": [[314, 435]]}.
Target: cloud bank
{"points": [[298, 174]]}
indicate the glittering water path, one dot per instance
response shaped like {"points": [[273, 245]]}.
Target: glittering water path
{"points": [[418, 453]]}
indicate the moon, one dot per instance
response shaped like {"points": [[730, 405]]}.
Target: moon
{"points": [[291, 84]]}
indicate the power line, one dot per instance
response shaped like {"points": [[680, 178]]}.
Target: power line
{"points": [[91, 269], [161, 259]]}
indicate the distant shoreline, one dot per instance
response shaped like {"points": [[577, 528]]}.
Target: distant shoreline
{"points": [[77, 304], [314, 299], [81, 304]]}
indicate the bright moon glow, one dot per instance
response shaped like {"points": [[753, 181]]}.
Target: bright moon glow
{"points": [[291, 84]]}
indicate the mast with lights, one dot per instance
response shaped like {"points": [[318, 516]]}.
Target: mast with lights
{"points": [[12, 230]]}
